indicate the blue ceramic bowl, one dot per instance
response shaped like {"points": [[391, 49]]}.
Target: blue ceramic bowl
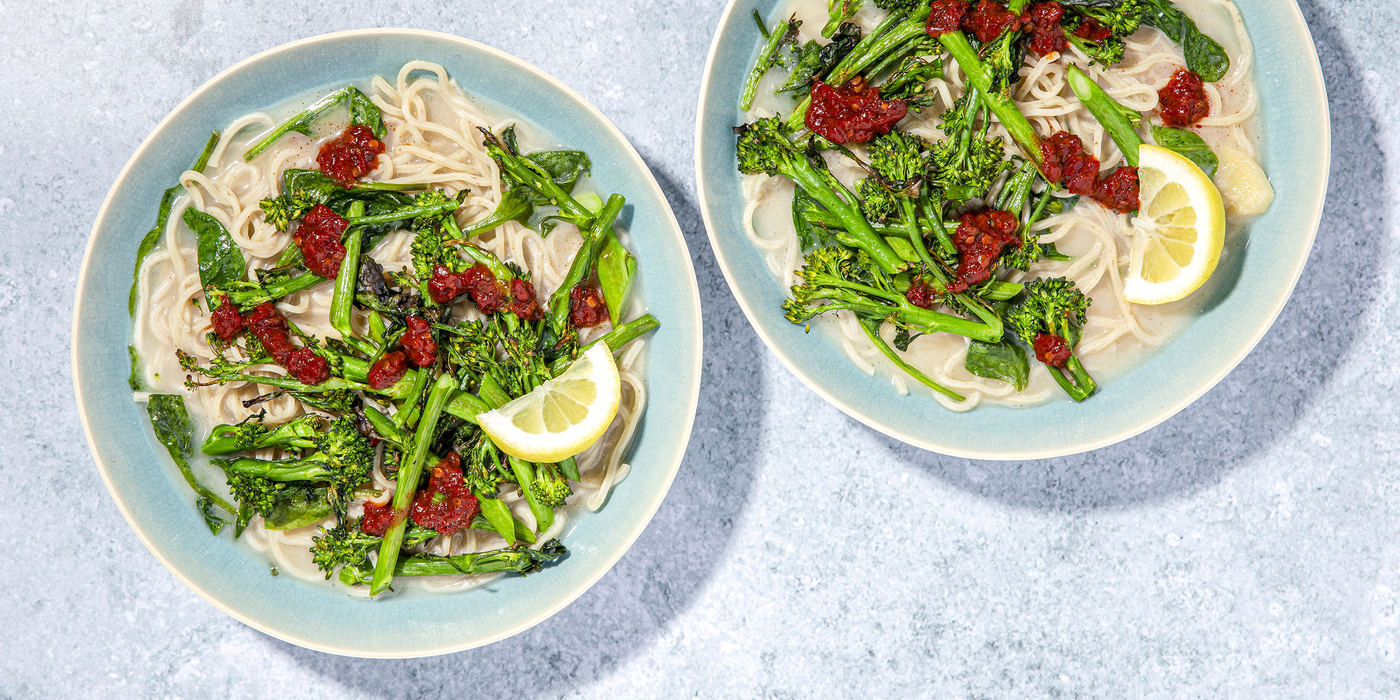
{"points": [[157, 503], [1242, 305]]}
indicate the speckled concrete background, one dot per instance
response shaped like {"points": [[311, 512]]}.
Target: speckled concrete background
{"points": [[1245, 548]]}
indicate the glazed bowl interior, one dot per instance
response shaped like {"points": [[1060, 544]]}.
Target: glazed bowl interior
{"points": [[1249, 289], [158, 504]]}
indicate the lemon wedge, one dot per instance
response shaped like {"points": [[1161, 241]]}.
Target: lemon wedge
{"points": [[562, 416], [1179, 229]]}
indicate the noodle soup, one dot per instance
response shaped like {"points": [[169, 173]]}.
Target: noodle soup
{"points": [[432, 142], [1117, 334]]}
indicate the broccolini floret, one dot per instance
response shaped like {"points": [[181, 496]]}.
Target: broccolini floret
{"points": [[1049, 318]]}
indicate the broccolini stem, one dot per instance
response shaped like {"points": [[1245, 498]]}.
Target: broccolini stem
{"points": [[582, 264], [537, 178], [248, 299], [1113, 116], [300, 470], [499, 515], [1002, 106], [387, 430], [343, 301], [401, 214], [872, 331], [361, 111], [870, 49], [765, 61], [797, 169], [407, 482], [494, 561], [525, 479]]}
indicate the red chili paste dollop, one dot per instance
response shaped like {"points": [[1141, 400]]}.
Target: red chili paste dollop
{"points": [[419, 343], [270, 327], [586, 306], [226, 320], [852, 113], [446, 505], [350, 155], [486, 291], [1051, 349], [989, 19], [377, 519], [1119, 191], [523, 302], [1047, 36], [318, 236], [945, 16], [1183, 100], [1067, 164], [920, 294], [980, 238], [308, 367], [388, 370], [1091, 30]]}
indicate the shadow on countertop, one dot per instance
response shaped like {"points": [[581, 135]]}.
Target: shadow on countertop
{"points": [[660, 575], [1256, 405]]}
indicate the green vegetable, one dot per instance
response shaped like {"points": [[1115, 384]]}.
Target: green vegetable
{"points": [[582, 264], [1002, 360], [1203, 54], [782, 32], [835, 278], [363, 112], [813, 61], [152, 237], [871, 326], [763, 146], [1116, 119], [172, 427], [1055, 307], [221, 262], [838, 12], [515, 560], [616, 270], [407, 479], [1188, 144]]}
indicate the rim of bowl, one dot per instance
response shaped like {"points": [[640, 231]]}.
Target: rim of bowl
{"points": [[632, 534], [1314, 74]]}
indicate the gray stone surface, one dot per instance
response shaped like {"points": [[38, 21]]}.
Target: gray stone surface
{"points": [[1245, 548]]}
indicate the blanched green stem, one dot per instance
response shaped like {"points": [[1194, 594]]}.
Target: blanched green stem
{"points": [[401, 214], [386, 428], [301, 122], [797, 169], [911, 226], [615, 339], [499, 515], [466, 406], [408, 412], [980, 77], [1113, 116], [538, 179], [407, 482], [343, 301], [525, 479], [871, 48], [493, 561], [301, 470], [203, 159], [872, 331], [582, 263], [247, 299], [765, 61]]}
